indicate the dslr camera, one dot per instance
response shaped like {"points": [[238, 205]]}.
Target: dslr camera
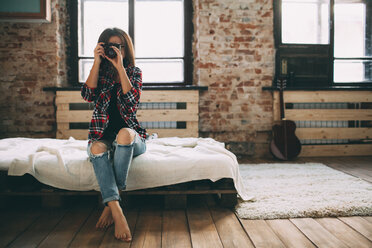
{"points": [[109, 51]]}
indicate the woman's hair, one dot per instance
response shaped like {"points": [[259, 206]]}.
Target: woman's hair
{"points": [[125, 40]]}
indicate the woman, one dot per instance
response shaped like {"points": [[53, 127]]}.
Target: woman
{"points": [[115, 136]]}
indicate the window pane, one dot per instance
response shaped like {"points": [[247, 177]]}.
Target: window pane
{"points": [[305, 21], [159, 28], [84, 68], [162, 71], [350, 30], [94, 17], [346, 71]]}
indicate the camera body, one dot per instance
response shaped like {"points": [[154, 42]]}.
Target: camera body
{"points": [[109, 51]]}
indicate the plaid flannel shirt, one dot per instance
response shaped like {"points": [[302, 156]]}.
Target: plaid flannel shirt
{"points": [[127, 103]]}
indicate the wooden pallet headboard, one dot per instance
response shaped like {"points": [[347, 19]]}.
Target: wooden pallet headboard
{"points": [[361, 114], [74, 114]]}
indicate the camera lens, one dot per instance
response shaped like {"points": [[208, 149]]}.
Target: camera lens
{"points": [[109, 51]]}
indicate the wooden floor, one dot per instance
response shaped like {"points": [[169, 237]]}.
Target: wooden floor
{"points": [[202, 224]]}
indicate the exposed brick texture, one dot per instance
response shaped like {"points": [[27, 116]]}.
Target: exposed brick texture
{"points": [[234, 56], [233, 47], [33, 56]]}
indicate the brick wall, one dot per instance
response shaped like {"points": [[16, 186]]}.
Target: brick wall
{"points": [[32, 57], [234, 57], [233, 50]]}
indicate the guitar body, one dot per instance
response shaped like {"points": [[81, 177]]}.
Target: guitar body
{"points": [[285, 145]]}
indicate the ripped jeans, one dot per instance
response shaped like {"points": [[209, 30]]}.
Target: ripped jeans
{"points": [[111, 167]]}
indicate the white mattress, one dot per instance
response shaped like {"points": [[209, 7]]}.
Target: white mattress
{"points": [[65, 164]]}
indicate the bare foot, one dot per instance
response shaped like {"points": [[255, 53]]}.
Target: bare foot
{"points": [[122, 231], [106, 219]]}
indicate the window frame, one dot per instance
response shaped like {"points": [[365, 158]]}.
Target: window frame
{"points": [[313, 50], [73, 56]]}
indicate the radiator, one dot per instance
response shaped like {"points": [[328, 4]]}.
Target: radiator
{"points": [[158, 124], [309, 124]]}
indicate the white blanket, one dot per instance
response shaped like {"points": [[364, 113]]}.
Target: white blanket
{"points": [[65, 164]]}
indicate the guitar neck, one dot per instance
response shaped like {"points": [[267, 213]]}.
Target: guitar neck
{"points": [[281, 104]]}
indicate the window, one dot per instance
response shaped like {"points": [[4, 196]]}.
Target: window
{"points": [[323, 42], [160, 29]]}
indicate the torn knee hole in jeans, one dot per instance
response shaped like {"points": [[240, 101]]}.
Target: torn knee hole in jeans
{"points": [[131, 144], [99, 154]]}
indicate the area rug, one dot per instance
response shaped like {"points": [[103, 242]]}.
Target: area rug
{"points": [[302, 190]]}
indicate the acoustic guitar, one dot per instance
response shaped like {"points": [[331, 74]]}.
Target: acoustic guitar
{"points": [[284, 145]]}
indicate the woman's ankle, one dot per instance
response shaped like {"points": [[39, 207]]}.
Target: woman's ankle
{"points": [[115, 207]]}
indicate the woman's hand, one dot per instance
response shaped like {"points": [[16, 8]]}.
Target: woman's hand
{"points": [[117, 62], [98, 52]]}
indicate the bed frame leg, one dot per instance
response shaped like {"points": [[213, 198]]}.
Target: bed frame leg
{"points": [[175, 201], [228, 200]]}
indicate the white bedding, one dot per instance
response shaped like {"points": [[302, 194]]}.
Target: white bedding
{"points": [[65, 164]]}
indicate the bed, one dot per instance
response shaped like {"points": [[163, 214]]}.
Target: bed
{"points": [[64, 164]]}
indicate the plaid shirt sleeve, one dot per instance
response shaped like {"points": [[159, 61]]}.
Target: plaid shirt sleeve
{"points": [[129, 101], [89, 94]]}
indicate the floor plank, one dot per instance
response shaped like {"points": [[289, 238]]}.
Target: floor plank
{"points": [[354, 166], [66, 229], [203, 232], [39, 229], [360, 163], [147, 232], [14, 223], [289, 234], [89, 236], [359, 224], [344, 233], [175, 231], [109, 240], [317, 233], [229, 228], [261, 234], [368, 218]]}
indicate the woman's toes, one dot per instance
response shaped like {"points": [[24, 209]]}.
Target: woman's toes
{"points": [[120, 237], [98, 225]]}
